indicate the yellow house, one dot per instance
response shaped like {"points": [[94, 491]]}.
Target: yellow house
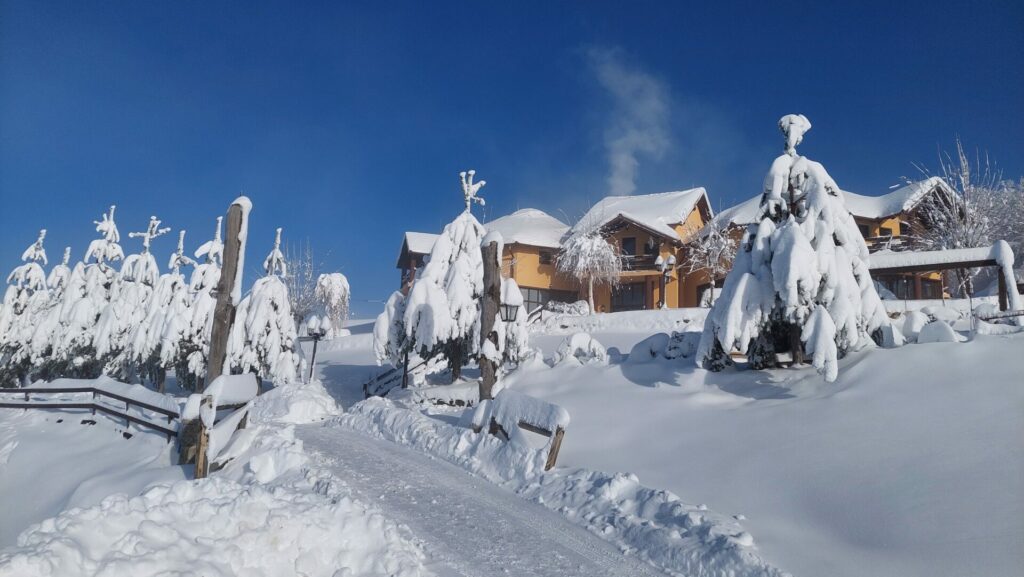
{"points": [[887, 222], [649, 231], [531, 241]]}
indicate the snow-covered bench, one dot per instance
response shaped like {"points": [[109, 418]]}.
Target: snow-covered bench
{"points": [[510, 410]]}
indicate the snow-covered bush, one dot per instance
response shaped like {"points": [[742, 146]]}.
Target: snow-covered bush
{"points": [[590, 259], [913, 322], [263, 339], [682, 344], [513, 337], [800, 279], [938, 332], [332, 294], [649, 349], [582, 348]]}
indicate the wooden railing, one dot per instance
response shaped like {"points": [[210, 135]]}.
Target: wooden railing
{"points": [[94, 405]]}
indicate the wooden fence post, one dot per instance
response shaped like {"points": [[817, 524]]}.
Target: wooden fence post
{"points": [[203, 441], [556, 445]]}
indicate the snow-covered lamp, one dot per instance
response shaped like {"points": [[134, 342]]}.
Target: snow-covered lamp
{"points": [[314, 328], [508, 312]]}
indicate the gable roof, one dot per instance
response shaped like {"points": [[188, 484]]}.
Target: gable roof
{"points": [[655, 212], [415, 243], [529, 226], [901, 200]]}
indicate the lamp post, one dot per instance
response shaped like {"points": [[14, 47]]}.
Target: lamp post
{"points": [[316, 329]]}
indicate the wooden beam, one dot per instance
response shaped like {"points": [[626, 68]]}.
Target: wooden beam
{"points": [[934, 267]]}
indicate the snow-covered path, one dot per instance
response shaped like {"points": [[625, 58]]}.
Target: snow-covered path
{"points": [[469, 527]]}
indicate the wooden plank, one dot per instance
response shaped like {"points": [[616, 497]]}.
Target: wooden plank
{"points": [[556, 445], [202, 462], [224, 311], [95, 391], [528, 427]]}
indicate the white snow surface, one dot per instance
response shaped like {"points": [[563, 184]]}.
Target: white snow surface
{"points": [[657, 212]]}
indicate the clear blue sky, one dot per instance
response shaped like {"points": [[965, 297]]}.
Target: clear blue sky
{"points": [[347, 123]]}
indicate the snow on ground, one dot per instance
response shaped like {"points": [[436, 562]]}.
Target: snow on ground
{"points": [[106, 505], [908, 464]]}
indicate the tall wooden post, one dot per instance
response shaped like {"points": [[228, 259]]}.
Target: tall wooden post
{"points": [[490, 301], [224, 312]]}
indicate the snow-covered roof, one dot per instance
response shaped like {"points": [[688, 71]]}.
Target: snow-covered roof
{"points": [[420, 242], [874, 207], [900, 200], [529, 226], [655, 212]]}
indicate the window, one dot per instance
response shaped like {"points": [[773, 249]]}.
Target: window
{"points": [[535, 298], [885, 231], [651, 247], [931, 289], [629, 246], [864, 230], [545, 257], [904, 229], [629, 297]]}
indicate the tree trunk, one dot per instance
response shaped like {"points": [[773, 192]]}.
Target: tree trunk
{"points": [[489, 303], [590, 294], [224, 312]]}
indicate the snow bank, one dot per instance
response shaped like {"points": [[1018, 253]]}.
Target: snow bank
{"points": [[295, 403], [665, 320], [213, 527], [652, 524], [233, 389]]}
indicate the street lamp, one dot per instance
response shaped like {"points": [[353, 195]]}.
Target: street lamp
{"points": [[509, 312], [316, 329]]}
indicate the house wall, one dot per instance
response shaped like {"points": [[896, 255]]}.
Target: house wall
{"points": [[522, 263]]}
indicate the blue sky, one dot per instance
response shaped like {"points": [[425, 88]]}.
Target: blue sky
{"points": [[347, 123]]}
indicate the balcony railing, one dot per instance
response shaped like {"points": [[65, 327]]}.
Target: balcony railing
{"points": [[639, 262], [892, 243]]}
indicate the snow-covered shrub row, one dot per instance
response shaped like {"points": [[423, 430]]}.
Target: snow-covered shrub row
{"points": [[801, 274], [132, 322], [681, 538]]}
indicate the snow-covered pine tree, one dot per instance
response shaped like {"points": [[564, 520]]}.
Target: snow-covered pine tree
{"points": [[155, 342], [332, 294], [47, 323], [441, 314], [194, 348], [800, 280], [89, 289], [25, 299], [263, 339], [125, 314], [590, 259]]}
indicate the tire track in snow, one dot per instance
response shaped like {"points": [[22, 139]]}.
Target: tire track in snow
{"points": [[469, 527]]}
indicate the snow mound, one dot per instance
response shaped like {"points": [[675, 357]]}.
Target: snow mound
{"points": [[949, 315], [510, 408], [295, 403], [581, 348], [939, 332], [213, 527], [913, 322], [682, 344]]}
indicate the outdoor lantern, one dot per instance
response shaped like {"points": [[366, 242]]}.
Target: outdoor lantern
{"points": [[508, 312]]}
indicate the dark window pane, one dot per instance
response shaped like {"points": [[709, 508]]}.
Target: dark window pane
{"points": [[545, 257], [629, 246]]}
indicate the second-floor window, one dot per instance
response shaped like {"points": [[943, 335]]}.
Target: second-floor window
{"points": [[884, 231], [546, 257], [629, 246], [864, 230]]}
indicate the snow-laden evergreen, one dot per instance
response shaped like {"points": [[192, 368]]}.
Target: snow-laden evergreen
{"points": [[800, 280], [25, 300], [195, 346], [332, 294], [263, 339]]}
